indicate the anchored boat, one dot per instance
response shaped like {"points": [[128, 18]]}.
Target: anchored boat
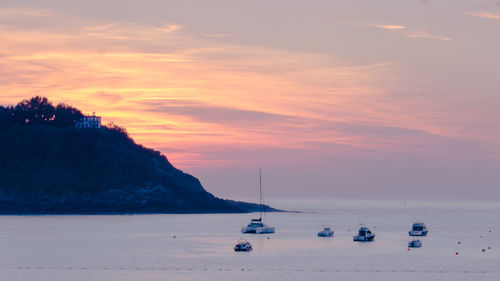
{"points": [[258, 226], [243, 246], [415, 244], [418, 229], [326, 232], [364, 235]]}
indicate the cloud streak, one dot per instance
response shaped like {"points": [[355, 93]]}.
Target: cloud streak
{"points": [[389, 26], [485, 15], [402, 30], [422, 33]]}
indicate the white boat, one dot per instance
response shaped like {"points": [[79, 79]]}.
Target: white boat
{"points": [[415, 244], [258, 226], [243, 246], [364, 235], [326, 232], [418, 229]]}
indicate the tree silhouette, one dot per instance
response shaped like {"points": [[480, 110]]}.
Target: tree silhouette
{"points": [[6, 118], [66, 116], [37, 110]]}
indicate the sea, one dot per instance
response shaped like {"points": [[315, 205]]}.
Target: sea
{"points": [[462, 244]]}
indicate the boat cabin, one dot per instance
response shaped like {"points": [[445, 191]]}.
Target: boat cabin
{"points": [[364, 231], [418, 229], [256, 223]]}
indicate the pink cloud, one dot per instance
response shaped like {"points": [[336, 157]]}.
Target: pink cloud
{"points": [[486, 15]]}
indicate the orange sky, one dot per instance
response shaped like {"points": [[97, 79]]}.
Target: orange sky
{"points": [[214, 100]]}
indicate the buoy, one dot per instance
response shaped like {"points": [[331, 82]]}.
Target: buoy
{"points": [[456, 253], [268, 237], [480, 236], [483, 250], [489, 247], [173, 236], [408, 249]]}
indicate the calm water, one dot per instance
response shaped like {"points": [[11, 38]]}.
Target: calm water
{"points": [[142, 247]]}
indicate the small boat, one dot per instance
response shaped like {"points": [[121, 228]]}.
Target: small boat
{"points": [[326, 232], [418, 229], [364, 235], [257, 226], [415, 244], [243, 246]]}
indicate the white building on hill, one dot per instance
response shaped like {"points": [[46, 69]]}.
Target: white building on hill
{"points": [[89, 121]]}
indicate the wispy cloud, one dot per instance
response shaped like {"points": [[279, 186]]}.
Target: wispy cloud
{"points": [[217, 35], [417, 33], [19, 13], [399, 29], [422, 33], [486, 15], [167, 28], [389, 26]]}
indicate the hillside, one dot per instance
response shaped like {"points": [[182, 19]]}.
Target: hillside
{"points": [[47, 166]]}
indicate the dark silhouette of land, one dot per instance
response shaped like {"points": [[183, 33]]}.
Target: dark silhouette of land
{"points": [[47, 166]]}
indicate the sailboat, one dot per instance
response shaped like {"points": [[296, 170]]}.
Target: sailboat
{"points": [[258, 226]]}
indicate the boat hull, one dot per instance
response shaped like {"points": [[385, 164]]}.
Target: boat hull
{"points": [[415, 244], [417, 233], [245, 247], [325, 234], [258, 230], [242, 250], [363, 238]]}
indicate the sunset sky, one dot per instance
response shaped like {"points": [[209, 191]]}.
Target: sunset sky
{"points": [[386, 99]]}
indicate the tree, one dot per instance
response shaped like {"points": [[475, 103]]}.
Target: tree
{"points": [[66, 116], [37, 110], [119, 130], [6, 118]]}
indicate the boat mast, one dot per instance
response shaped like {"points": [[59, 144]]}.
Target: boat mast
{"points": [[260, 193]]}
